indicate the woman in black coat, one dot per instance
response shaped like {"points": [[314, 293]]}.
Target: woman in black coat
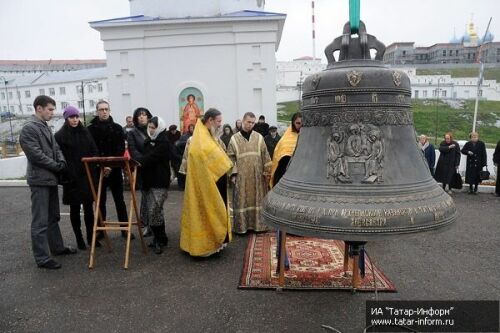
{"points": [[76, 142], [475, 151], [135, 140], [155, 172], [448, 162]]}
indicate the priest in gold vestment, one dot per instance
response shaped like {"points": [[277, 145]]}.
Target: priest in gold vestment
{"points": [[205, 227], [250, 175]]}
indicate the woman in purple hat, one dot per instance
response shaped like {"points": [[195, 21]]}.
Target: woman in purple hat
{"points": [[76, 142]]}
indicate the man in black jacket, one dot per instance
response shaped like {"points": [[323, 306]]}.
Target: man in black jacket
{"points": [[45, 164], [110, 141]]}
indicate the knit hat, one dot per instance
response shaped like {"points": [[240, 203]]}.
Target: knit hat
{"points": [[70, 111]]}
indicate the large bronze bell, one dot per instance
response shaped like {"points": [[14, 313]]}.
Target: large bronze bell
{"points": [[357, 173]]}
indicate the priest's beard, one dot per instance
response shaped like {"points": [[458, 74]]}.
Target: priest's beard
{"points": [[213, 131]]}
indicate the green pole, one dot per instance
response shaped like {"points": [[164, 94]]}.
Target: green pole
{"points": [[354, 15]]}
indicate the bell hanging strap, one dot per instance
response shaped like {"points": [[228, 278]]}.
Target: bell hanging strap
{"points": [[354, 17]]}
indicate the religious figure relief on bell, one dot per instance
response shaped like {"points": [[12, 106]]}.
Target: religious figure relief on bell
{"points": [[315, 81], [374, 160], [354, 78], [396, 77], [337, 167], [355, 154]]}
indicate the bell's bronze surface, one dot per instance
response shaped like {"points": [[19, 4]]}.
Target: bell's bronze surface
{"points": [[357, 173]]}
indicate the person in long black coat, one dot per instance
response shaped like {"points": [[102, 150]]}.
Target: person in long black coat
{"points": [[496, 161], [475, 151], [76, 142], [155, 171], [135, 140], [448, 162]]}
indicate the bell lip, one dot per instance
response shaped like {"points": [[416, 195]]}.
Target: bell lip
{"points": [[348, 234]]}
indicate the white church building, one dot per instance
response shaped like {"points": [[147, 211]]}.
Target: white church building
{"points": [[222, 52]]}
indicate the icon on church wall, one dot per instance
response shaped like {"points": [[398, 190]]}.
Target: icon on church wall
{"points": [[190, 107]]}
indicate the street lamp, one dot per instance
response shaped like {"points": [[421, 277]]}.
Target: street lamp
{"points": [[82, 85], [299, 85], [437, 111], [8, 107]]}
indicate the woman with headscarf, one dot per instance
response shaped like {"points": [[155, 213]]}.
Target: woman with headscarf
{"points": [[76, 142], [448, 162], [237, 126], [227, 133], [135, 140], [475, 151], [155, 171]]}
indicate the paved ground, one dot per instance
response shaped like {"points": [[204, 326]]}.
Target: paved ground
{"points": [[175, 293]]}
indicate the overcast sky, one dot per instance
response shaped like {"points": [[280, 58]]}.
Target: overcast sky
{"points": [[59, 29]]}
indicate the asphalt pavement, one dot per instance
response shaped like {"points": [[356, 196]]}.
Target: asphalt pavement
{"points": [[173, 292]]}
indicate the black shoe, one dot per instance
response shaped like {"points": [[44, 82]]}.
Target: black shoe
{"points": [[124, 235], [50, 264], [157, 248], [81, 243], [66, 251]]}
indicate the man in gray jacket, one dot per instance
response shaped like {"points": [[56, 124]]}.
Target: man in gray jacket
{"points": [[45, 163]]}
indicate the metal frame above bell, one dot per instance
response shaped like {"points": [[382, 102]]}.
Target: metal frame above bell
{"points": [[357, 173]]}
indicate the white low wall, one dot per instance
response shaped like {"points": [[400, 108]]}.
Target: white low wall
{"points": [[14, 167]]}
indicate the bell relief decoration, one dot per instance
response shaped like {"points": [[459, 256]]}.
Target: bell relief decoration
{"points": [[355, 153]]}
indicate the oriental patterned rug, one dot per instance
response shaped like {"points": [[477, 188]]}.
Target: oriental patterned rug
{"points": [[314, 264]]}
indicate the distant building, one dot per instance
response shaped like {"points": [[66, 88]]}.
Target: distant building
{"points": [[465, 49], [40, 66], [291, 74], [64, 87]]}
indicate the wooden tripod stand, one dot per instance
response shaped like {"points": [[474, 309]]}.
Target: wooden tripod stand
{"points": [[130, 168]]}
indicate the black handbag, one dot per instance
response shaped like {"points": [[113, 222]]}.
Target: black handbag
{"points": [[484, 174], [456, 181]]}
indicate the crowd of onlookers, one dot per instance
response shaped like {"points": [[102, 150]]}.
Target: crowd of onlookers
{"points": [[446, 169], [225, 171], [159, 151]]}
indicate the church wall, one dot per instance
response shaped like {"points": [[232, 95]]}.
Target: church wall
{"points": [[232, 63]]}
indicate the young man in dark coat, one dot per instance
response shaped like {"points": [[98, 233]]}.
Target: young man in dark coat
{"points": [[261, 126], [448, 162], [110, 141], [475, 151], [45, 164], [272, 140], [76, 142], [173, 134], [496, 161]]}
